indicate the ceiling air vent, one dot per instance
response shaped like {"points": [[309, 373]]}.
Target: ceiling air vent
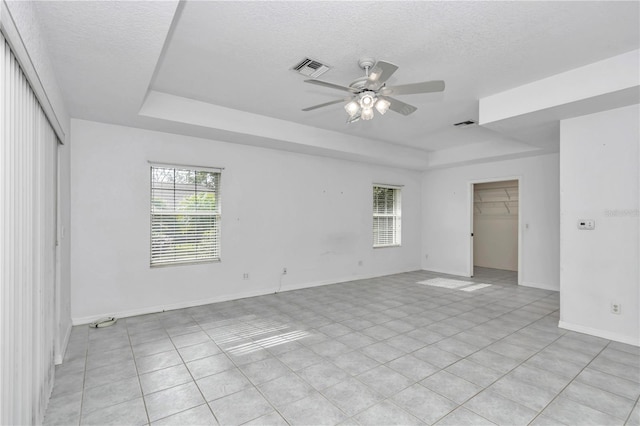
{"points": [[465, 123], [310, 68]]}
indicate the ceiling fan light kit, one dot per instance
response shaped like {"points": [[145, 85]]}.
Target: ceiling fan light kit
{"points": [[383, 106], [364, 106], [370, 91], [352, 108], [366, 114]]}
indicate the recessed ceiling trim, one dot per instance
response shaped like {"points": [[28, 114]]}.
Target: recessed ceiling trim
{"points": [[279, 134]]}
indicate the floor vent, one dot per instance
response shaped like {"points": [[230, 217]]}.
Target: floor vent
{"points": [[310, 68]]}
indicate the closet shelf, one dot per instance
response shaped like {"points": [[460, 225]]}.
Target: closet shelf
{"points": [[498, 199]]}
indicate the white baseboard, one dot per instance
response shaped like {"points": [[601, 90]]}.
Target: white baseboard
{"points": [[225, 298], [300, 286], [542, 286], [63, 346], [443, 271], [168, 307], [629, 340]]}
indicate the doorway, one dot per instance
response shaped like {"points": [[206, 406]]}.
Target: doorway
{"points": [[495, 230]]}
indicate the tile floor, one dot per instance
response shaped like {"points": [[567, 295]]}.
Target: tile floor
{"points": [[377, 351]]}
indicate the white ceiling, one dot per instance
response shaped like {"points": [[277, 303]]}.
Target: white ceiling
{"points": [[108, 55]]}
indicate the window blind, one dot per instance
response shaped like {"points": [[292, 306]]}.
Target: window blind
{"points": [[185, 215], [28, 227], [386, 216]]}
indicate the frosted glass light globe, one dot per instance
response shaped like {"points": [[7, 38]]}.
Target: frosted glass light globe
{"points": [[352, 108], [382, 106], [366, 101]]}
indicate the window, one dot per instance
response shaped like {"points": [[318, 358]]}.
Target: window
{"points": [[185, 215], [386, 216]]}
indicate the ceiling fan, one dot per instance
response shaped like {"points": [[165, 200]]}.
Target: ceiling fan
{"points": [[370, 91]]}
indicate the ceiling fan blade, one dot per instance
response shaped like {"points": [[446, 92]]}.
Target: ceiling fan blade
{"points": [[400, 107], [413, 88], [380, 73], [324, 105], [353, 118], [330, 85]]}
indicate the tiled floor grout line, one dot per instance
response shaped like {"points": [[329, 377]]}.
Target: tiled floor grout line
{"points": [[190, 375], [84, 380], [385, 398], [135, 363], [298, 376], [272, 314], [595, 368], [486, 347], [444, 368], [256, 386], [245, 376], [320, 391], [569, 383], [482, 348], [503, 375], [631, 412]]}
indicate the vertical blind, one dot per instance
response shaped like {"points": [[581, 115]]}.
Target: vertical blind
{"points": [[185, 215], [28, 158], [386, 216]]}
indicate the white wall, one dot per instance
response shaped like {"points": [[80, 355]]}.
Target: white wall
{"points": [[599, 163], [570, 88], [309, 214], [495, 225], [495, 242], [446, 214]]}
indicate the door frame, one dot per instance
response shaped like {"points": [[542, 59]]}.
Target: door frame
{"points": [[60, 342], [470, 187]]}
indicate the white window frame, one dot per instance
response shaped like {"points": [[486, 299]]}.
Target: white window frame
{"points": [[396, 215], [166, 257]]}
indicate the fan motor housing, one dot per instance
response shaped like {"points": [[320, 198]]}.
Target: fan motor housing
{"points": [[359, 83], [366, 63]]}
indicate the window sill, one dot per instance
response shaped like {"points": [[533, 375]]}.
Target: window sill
{"points": [[387, 246], [196, 262]]}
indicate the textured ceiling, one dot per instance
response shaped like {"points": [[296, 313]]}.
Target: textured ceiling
{"points": [[105, 53], [237, 54], [108, 55]]}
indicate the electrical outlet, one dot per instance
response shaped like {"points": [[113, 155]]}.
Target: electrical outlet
{"points": [[245, 276], [284, 271], [616, 308], [586, 224]]}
